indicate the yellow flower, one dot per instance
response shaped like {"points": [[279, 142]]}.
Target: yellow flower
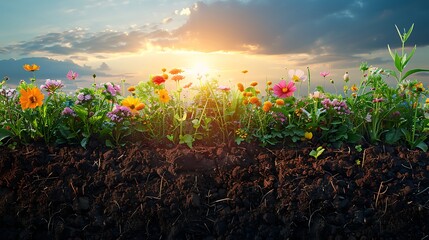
{"points": [[163, 96], [31, 98], [244, 71], [31, 68], [269, 83], [257, 91], [354, 88], [253, 84], [280, 102], [308, 135], [132, 103], [163, 69], [427, 100]]}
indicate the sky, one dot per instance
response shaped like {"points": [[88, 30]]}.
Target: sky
{"points": [[134, 39]]}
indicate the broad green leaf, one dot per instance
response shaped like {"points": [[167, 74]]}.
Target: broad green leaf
{"points": [[4, 134], [423, 146]]}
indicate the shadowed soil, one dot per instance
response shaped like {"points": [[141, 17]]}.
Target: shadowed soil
{"points": [[215, 192]]}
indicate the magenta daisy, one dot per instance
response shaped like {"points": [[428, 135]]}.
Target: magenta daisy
{"points": [[283, 89]]}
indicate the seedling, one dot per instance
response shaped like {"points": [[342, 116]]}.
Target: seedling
{"points": [[316, 153]]}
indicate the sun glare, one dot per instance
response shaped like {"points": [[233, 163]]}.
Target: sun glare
{"points": [[199, 69]]}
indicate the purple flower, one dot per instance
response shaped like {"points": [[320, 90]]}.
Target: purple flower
{"points": [[52, 85], [111, 89], [118, 113], [68, 111]]}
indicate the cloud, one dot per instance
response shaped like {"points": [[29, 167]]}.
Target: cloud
{"points": [[184, 11], [301, 26], [325, 30], [103, 67]]}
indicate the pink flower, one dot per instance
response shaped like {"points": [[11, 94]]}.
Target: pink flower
{"points": [[72, 75], [224, 88], [324, 74], [297, 75], [283, 90]]}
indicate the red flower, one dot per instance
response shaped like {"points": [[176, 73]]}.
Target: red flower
{"points": [[158, 80]]}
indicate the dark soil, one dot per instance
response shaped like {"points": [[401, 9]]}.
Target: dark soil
{"points": [[239, 192]]}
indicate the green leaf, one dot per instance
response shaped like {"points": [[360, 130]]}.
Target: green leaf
{"points": [[412, 71], [423, 146], [188, 139], [398, 61], [4, 134], [399, 33], [84, 142], [391, 53], [170, 137], [407, 59], [109, 144]]}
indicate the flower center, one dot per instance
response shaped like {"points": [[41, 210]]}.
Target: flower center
{"points": [[33, 99], [132, 106], [295, 78], [285, 90]]}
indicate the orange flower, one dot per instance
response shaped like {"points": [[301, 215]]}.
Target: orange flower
{"points": [[280, 102], [165, 76], [354, 88], [254, 100], [132, 103], [244, 71], [245, 102], [253, 84], [163, 96], [240, 87], [269, 83], [257, 91], [31, 68], [140, 106], [188, 85], [163, 70], [131, 89], [267, 106], [175, 71], [249, 94], [177, 77], [31, 98]]}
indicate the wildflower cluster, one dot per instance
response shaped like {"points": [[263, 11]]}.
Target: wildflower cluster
{"points": [[339, 106], [369, 110]]}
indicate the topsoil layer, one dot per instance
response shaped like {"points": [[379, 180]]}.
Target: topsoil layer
{"points": [[239, 192]]}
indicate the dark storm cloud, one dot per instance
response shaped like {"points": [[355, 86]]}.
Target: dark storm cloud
{"points": [[303, 26]]}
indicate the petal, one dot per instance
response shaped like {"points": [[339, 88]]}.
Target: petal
{"points": [[291, 72], [299, 73]]}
